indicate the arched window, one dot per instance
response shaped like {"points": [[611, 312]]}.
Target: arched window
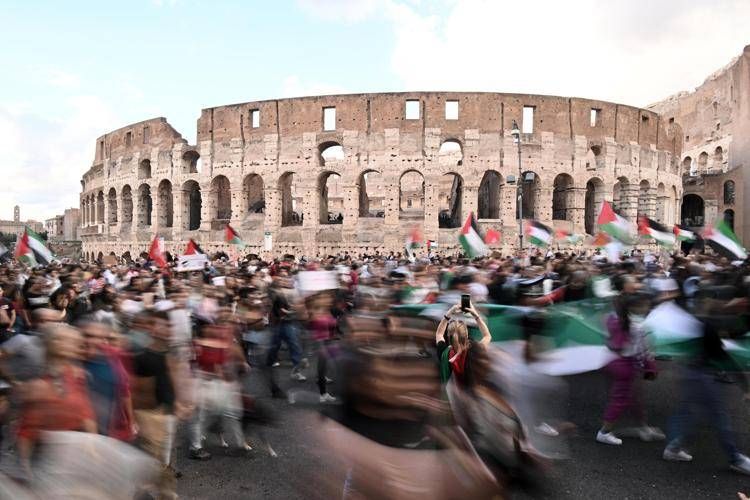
{"points": [[330, 151], [166, 211], [222, 198], [729, 218], [718, 157], [529, 192], [289, 214], [371, 194], [687, 166], [100, 207], [144, 169], [488, 196], [145, 205], [644, 199], [191, 162], [562, 198], [620, 193], [450, 153], [411, 195], [191, 205], [112, 206], [594, 198], [729, 193], [252, 188], [702, 162], [451, 198], [692, 210], [331, 201], [127, 204]]}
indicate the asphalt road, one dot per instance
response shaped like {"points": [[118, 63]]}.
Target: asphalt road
{"points": [[633, 470]]}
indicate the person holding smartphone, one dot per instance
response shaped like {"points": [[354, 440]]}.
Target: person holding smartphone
{"points": [[453, 343]]}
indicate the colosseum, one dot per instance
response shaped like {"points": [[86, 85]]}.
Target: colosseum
{"points": [[357, 173]]}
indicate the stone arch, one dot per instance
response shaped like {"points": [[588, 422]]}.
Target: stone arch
{"points": [[594, 199], [687, 166], [144, 169], [191, 205], [728, 192], [451, 153], [563, 197], [702, 162], [661, 203], [252, 192], [594, 158], [166, 206], [718, 157], [127, 204], [221, 198], [100, 256], [331, 206], [370, 206], [100, 207], [191, 162], [620, 193], [489, 195], [330, 151], [289, 214], [411, 194], [145, 205], [451, 200], [530, 188], [112, 206], [692, 210], [729, 218], [644, 199]]}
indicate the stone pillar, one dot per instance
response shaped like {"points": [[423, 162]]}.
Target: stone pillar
{"points": [[543, 204], [577, 209], [208, 206], [431, 207], [629, 202], [469, 202], [239, 206], [179, 219]]}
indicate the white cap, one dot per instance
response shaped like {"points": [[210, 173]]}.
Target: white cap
{"points": [[665, 285]]}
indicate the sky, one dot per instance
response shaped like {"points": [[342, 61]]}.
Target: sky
{"points": [[71, 71]]}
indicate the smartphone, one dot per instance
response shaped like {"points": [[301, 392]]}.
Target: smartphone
{"points": [[465, 301]]}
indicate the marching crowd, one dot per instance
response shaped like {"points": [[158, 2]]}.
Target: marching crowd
{"points": [[406, 356]]}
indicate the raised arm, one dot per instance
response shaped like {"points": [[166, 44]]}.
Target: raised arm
{"points": [[486, 337]]}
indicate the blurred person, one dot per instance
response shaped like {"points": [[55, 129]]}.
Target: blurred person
{"points": [[322, 326], [627, 338], [454, 345], [7, 316], [282, 319]]}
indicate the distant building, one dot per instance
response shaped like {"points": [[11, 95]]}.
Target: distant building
{"points": [[63, 227], [16, 226]]}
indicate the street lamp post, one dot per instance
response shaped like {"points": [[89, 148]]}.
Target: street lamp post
{"points": [[519, 183]]}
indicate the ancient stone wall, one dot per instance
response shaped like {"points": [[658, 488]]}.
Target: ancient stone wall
{"points": [[264, 167]]}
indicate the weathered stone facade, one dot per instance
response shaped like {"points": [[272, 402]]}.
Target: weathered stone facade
{"points": [[264, 167], [715, 119]]}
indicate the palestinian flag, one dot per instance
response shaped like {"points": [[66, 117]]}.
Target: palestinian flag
{"points": [[614, 225], [471, 239], [600, 240], [430, 245], [156, 252], [231, 236], [193, 248], [722, 239], [492, 237], [656, 231], [683, 234], [539, 235], [413, 240], [569, 238], [32, 250]]}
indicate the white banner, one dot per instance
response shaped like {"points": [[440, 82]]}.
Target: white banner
{"points": [[193, 262]]}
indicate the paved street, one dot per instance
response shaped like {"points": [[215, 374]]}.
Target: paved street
{"points": [[634, 470]]}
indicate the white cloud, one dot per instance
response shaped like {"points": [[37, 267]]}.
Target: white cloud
{"points": [[340, 10], [293, 86], [59, 78], [45, 157]]}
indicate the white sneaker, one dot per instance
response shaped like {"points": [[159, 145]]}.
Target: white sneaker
{"points": [[741, 465], [676, 455], [275, 364], [546, 430], [608, 438], [647, 433], [298, 376], [327, 398]]}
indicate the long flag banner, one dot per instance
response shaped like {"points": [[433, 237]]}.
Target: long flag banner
{"points": [[614, 225], [722, 239], [471, 239], [538, 234], [156, 252], [658, 232], [30, 248], [683, 234], [193, 248], [233, 237]]}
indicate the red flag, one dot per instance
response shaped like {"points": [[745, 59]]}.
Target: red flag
{"points": [[156, 252], [231, 236], [23, 249], [492, 236], [193, 248], [607, 215]]}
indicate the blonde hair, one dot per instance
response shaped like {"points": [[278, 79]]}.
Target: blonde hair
{"points": [[457, 333]]}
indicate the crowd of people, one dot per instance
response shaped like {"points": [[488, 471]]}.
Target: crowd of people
{"points": [[415, 381]]}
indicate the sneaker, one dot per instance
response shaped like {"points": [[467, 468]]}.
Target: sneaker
{"points": [[608, 438], [741, 464], [329, 380], [199, 454], [297, 375], [647, 433], [676, 455], [274, 365], [546, 430], [327, 398]]}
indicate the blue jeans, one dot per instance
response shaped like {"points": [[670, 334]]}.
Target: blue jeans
{"points": [[285, 332], [701, 390]]}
